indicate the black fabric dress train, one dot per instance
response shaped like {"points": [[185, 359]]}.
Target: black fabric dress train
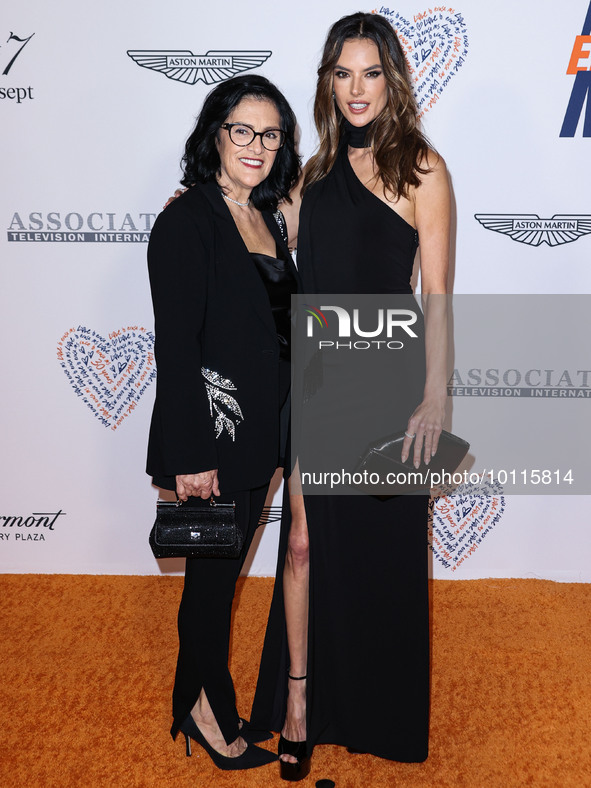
{"points": [[368, 644]]}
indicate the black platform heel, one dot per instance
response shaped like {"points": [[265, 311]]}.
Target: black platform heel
{"points": [[251, 757], [293, 772], [298, 749]]}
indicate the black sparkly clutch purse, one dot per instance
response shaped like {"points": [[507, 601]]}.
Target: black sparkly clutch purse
{"points": [[196, 529]]}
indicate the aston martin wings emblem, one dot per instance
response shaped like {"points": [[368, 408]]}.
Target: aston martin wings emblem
{"points": [[530, 229], [184, 66]]}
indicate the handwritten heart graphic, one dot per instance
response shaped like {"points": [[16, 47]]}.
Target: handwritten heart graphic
{"points": [[435, 44], [110, 375], [461, 521]]}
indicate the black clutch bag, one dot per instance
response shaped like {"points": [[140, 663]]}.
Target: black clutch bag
{"points": [[384, 474], [196, 529]]}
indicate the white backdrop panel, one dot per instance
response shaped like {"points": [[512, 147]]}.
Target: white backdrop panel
{"points": [[92, 143]]}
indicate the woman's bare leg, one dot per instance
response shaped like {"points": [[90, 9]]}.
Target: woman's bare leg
{"points": [[296, 578]]}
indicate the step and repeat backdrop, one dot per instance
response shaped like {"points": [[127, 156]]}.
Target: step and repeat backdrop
{"points": [[95, 106]]}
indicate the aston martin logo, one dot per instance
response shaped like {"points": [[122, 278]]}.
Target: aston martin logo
{"points": [[528, 228], [215, 66]]}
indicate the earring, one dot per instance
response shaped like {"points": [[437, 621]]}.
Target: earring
{"points": [[333, 96]]}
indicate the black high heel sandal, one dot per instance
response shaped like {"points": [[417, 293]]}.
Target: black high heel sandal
{"points": [[251, 757], [293, 772]]}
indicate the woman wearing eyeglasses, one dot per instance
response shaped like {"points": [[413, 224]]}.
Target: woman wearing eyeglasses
{"points": [[221, 278]]}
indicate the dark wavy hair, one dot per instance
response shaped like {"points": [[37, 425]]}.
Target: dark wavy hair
{"points": [[399, 147], [201, 161]]}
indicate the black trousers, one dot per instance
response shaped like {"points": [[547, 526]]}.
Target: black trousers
{"points": [[204, 625]]}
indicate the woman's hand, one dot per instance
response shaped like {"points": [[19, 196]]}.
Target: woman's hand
{"points": [[177, 193], [197, 485], [424, 425]]}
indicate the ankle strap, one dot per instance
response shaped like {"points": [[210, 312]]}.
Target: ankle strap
{"points": [[296, 678]]}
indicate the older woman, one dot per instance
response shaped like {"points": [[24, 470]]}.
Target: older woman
{"points": [[221, 278], [346, 658]]}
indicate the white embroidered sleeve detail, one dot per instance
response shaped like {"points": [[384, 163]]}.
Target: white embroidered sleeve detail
{"points": [[217, 388]]}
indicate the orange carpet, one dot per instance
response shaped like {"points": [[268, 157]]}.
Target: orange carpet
{"points": [[87, 663]]}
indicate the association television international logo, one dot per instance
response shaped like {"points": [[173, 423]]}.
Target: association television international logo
{"points": [[80, 227]]}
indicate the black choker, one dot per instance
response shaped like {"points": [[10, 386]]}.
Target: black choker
{"points": [[356, 134]]}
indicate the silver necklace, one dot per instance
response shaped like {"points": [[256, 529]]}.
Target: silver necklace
{"points": [[230, 199]]}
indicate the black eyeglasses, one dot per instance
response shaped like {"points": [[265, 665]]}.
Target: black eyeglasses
{"points": [[242, 135]]}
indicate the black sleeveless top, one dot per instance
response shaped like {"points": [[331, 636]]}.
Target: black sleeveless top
{"points": [[280, 284], [350, 241]]}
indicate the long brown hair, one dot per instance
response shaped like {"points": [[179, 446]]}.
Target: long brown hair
{"points": [[399, 147]]}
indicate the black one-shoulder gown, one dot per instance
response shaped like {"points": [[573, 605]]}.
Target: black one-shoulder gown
{"points": [[368, 650]]}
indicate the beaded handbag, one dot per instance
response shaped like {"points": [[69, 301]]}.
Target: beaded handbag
{"points": [[196, 529]]}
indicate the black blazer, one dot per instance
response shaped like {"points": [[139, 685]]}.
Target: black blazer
{"points": [[217, 355]]}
